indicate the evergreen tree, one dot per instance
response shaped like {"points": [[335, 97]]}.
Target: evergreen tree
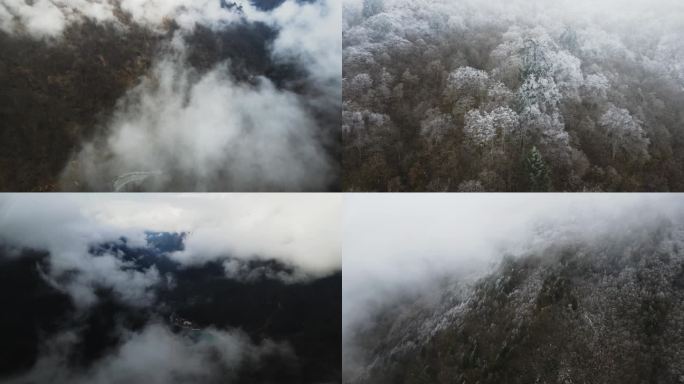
{"points": [[538, 173]]}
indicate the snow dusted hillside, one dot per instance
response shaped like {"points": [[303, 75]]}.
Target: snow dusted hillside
{"points": [[585, 299], [521, 95]]}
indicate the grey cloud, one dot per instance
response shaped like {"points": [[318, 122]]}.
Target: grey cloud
{"points": [[156, 355]]}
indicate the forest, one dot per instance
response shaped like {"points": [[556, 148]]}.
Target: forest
{"points": [[209, 95], [521, 95], [596, 296]]}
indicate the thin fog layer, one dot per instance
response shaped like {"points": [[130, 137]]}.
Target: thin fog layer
{"points": [[402, 245], [521, 95], [299, 231]]}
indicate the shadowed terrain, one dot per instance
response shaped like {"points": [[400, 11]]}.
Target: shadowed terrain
{"points": [[304, 314]]}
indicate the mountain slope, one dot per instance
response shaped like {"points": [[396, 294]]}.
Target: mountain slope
{"points": [[605, 310]]}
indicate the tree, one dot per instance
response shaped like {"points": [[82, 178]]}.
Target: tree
{"points": [[535, 59], [624, 132], [435, 125], [506, 122], [595, 87], [537, 171], [483, 129], [479, 128], [466, 81]]}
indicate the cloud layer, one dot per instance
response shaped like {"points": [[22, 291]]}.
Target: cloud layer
{"points": [[404, 244], [299, 231]]}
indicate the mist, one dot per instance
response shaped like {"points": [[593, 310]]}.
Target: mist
{"points": [[156, 355], [414, 263]]}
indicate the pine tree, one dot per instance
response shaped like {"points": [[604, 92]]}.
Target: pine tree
{"points": [[537, 171]]}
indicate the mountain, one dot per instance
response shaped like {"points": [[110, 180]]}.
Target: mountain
{"points": [[190, 301], [606, 310], [64, 92]]}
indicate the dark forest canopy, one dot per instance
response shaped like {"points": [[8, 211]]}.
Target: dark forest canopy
{"points": [[513, 96]]}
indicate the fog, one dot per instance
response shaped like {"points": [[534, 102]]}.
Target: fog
{"points": [[404, 245]]}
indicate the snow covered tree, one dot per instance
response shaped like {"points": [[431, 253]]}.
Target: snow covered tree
{"points": [[535, 59], [595, 87], [479, 128], [624, 132], [506, 122], [566, 71], [484, 128], [539, 95], [466, 81], [435, 125]]}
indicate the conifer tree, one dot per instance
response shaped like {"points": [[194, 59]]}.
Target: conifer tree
{"points": [[537, 171]]}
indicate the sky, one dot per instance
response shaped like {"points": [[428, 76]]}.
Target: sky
{"points": [[299, 230]]}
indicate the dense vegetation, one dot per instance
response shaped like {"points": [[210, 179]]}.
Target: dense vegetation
{"points": [[53, 94], [514, 96], [602, 310]]}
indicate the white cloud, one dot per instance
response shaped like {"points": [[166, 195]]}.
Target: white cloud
{"points": [[319, 51], [302, 230], [42, 18], [208, 134]]}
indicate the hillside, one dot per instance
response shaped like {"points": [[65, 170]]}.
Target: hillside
{"points": [[602, 311]]}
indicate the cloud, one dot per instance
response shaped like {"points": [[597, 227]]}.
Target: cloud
{"points": [[187, 13], [49, 18], [405, 243], [320, 52], [207, 134], [43, 18], [299, 230], [156, 355]]}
